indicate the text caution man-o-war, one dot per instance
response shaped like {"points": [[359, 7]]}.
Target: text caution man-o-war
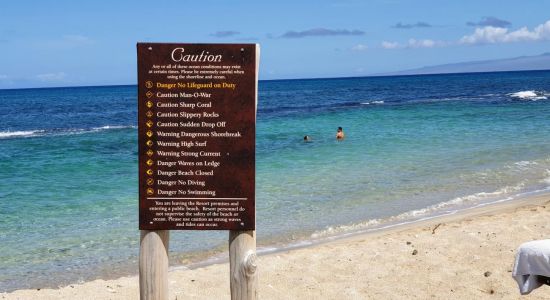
{"points": [[197, 123]]}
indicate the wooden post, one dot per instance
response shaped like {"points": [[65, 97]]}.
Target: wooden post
{"points": [[242, 265], [153, 265]]}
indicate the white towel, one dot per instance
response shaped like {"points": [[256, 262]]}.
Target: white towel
{"points": [[532, 261]]}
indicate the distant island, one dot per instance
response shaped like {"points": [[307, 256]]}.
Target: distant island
{"points": [[522, 63]]}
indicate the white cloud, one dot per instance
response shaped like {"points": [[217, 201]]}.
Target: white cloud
{"points": [[48, 77], [413, 43], [390, 45], [359, 47], [322, 32], [481, 35], [492, 35]]}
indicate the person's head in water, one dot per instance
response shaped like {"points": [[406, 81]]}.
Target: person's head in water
{"points": [[306, 138], [340, 134]]}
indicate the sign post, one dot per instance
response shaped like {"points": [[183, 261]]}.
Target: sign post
{"points": [[153, 264], [242, 264], [196, 134]]}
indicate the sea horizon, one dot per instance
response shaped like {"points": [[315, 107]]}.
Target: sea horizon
{"points": [[291, 79]]}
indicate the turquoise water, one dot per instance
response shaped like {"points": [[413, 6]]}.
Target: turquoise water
{"points": [[415, 146]]}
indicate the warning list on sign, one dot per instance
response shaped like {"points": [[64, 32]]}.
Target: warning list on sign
{"points": [[197, 127]]}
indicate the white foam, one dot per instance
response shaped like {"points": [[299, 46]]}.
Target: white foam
{"points": [[525, 163], [107, 127], [331, 231], [477, 197], [11, 134], [57, 132], [443, 208], [373, 102], [529, 95]]}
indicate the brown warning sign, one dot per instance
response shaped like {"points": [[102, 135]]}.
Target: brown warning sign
{"points": [[197, 127]]}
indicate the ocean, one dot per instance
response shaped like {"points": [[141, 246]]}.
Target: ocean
{"points": [[415, 147]]}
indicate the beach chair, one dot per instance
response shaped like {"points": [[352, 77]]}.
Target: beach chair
{"points": [[532, 265]]}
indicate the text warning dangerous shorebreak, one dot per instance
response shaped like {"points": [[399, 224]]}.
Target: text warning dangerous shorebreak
{"points": [[197, 127]]}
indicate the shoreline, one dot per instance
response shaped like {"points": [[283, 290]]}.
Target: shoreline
{"points": [[514, 201], [308, 259], [295, 240], [218, 255]]}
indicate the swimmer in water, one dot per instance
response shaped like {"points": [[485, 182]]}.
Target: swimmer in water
{"points": [[340, 134], [307, 138]]}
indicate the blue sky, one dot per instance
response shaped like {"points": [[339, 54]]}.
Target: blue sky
{"points": [[71, 43]]}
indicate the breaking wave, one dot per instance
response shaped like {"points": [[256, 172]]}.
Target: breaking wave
{"points": [[47, 132], [529, 95], [373, 102], [22, 133]]}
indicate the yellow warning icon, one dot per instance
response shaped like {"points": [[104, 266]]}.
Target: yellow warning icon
{"points": [[149, 143], [149, 123], [149, 172], [150, 152], [149, 133], [150, 181], [150, 192], [149, 162], [149, 104], [148, 84]]}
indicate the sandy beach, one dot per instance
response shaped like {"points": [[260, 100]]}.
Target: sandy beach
{"points": [[468, 255]]}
